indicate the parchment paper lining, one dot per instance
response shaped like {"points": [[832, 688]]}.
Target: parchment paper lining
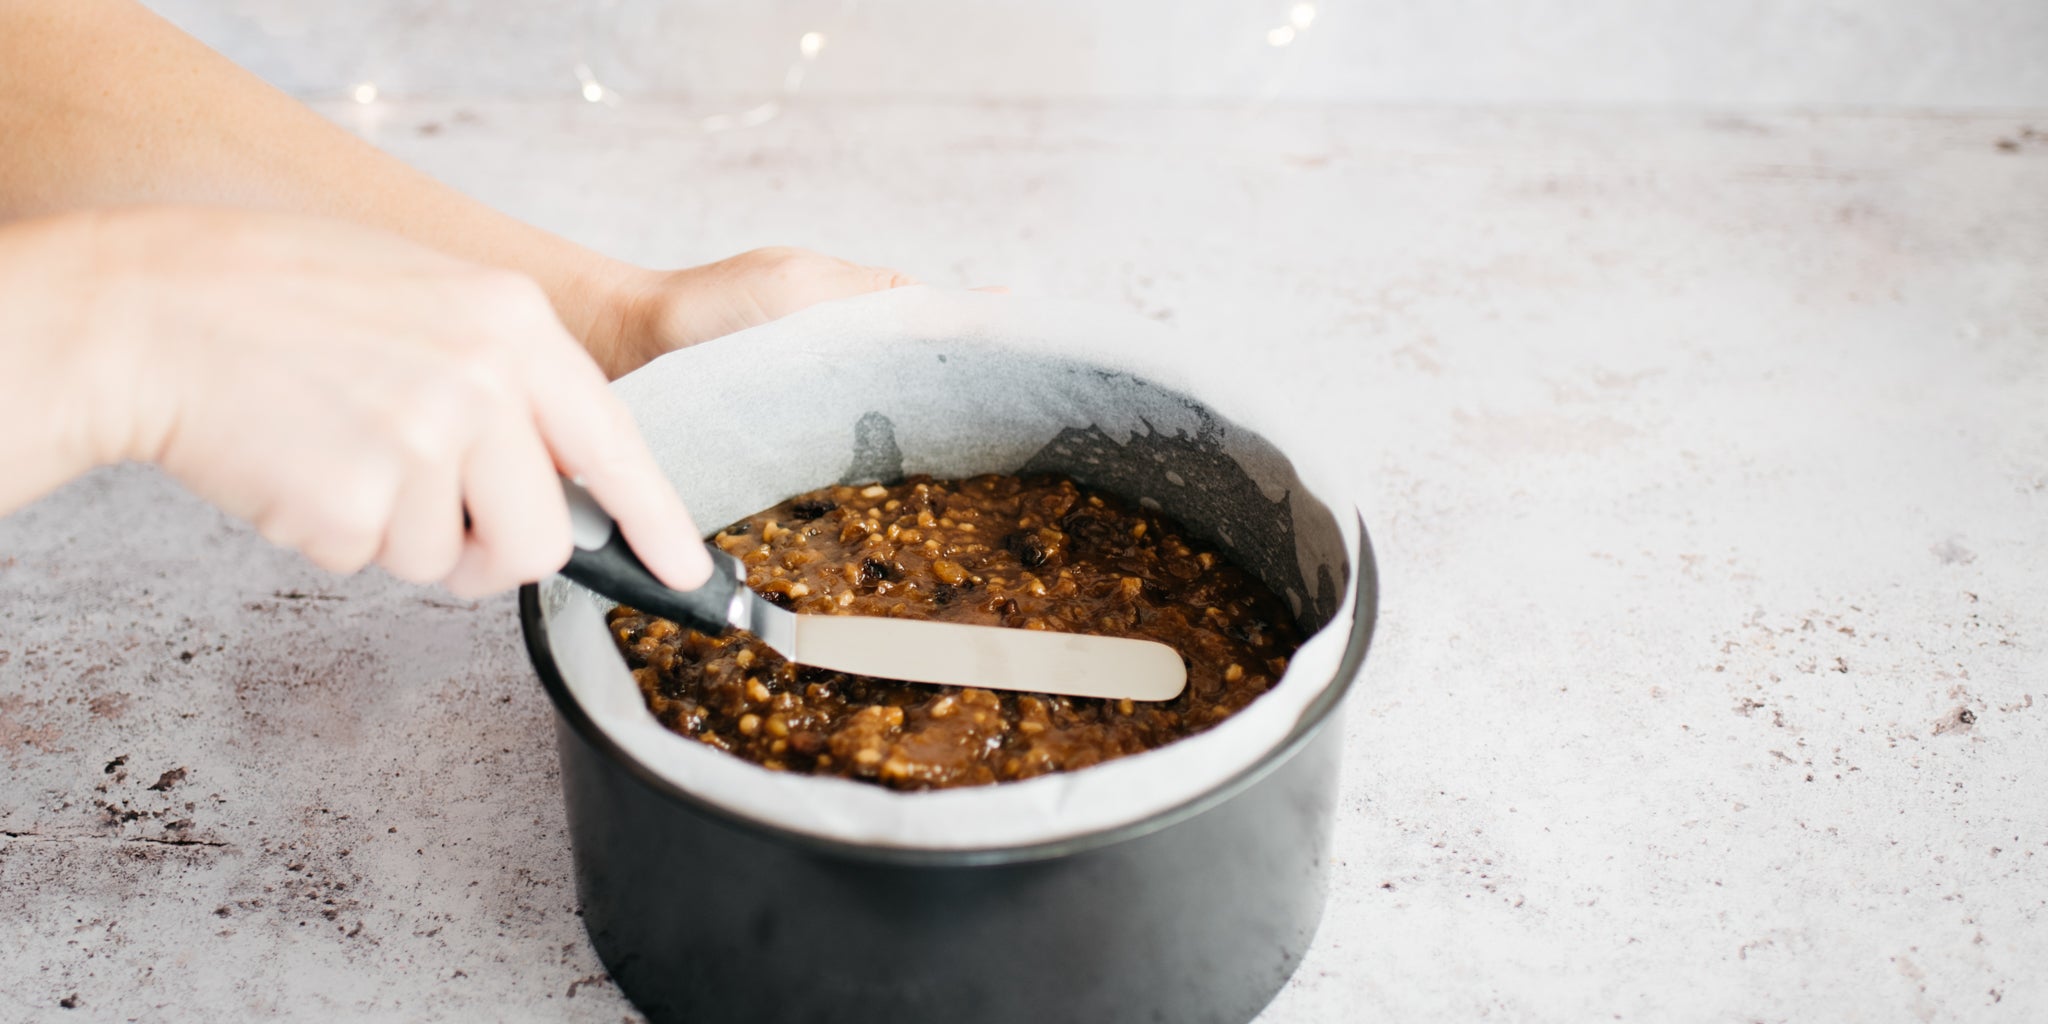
{"points": [[923, 381]]}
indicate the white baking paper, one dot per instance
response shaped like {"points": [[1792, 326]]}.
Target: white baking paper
{"points": [[953, 384]]}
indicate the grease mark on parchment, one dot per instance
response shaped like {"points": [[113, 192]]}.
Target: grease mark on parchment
{"points": [[876, 457], [1193, 478]]}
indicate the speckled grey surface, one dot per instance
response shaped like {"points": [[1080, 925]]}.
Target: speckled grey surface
{"points": [[1705, 453]]}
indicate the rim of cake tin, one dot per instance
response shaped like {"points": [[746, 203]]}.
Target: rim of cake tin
{"points": [[1313, 719]]}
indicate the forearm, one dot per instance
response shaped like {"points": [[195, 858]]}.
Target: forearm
{"points": [[48, 426], [103, 103]]}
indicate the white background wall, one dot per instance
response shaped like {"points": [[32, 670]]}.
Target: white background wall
{"points": [[1922, 54]]}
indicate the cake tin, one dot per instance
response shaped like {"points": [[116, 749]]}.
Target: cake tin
{"points": [[1197, 913]]}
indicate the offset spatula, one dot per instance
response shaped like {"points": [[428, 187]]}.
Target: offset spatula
{"points": [[992, 657]]}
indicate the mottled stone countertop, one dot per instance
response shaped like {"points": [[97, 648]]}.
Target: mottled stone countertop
{"points": [[1707, 455]]}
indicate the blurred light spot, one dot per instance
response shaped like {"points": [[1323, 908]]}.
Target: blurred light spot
{"points": [[1280, 36], [594, 90], [810, 44], [364, 92], [1303, 15]]}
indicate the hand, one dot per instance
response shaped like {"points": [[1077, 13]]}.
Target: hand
{"points": [[352, 394], [660, 312]]}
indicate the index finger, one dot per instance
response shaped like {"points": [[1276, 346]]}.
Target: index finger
{"points": [[595, 442]]}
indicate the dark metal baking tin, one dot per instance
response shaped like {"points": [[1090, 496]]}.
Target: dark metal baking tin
{"points": [[1199, 913]]}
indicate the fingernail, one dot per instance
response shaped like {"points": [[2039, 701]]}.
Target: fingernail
{"points": [[683, 564], [696, 566]]}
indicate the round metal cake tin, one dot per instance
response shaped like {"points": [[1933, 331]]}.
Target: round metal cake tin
{"points": [[1198, 913]]}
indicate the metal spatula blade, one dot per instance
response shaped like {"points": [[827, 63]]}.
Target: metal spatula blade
{"points": [[992, 657]]}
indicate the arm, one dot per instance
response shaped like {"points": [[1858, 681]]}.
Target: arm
{"points": [[45, 428], [103, 103]]}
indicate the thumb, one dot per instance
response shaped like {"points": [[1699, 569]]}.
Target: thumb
{"points": [[881, 279]]}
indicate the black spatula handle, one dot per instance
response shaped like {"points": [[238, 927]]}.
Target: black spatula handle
{"points": [[603, 562]]}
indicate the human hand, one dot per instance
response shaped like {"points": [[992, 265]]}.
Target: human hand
{"points": [[353, 395], [659, 312]]}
